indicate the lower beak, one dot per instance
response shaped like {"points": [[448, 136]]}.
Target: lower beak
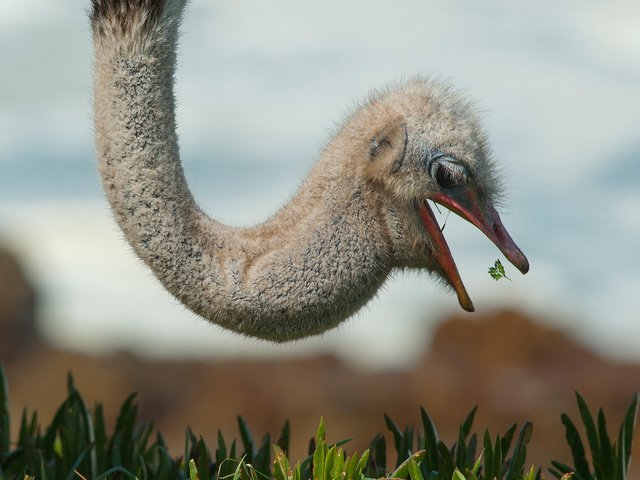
{"points": [[443, 255]]}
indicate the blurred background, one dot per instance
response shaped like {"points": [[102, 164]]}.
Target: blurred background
{"points": [[259, 88]]}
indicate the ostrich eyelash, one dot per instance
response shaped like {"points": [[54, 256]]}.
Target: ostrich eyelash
{"points": [[456, 172]]}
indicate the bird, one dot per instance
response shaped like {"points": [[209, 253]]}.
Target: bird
{"points": [[362, 212]]}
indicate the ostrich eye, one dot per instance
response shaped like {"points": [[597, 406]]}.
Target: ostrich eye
{"points": [[448, 173]]}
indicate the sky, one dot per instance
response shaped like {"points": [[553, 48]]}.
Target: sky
{"points": [[260, 86]]}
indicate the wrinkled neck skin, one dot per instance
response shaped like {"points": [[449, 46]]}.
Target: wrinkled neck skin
{"points": [[313, 264]]}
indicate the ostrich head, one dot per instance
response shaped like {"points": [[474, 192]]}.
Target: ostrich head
{"points": [[429, 146]]}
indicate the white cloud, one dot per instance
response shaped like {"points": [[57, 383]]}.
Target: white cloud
{"points": [[610, 33]]}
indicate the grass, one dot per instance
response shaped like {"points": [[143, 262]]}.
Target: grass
{"points": [[77, 445]]}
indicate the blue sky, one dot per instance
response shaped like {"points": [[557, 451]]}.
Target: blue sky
{"points": [[261, 84]]}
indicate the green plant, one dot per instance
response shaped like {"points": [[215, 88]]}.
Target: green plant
{"points": [[497, 271], [610, 460], [77, 445], [461, 460]]}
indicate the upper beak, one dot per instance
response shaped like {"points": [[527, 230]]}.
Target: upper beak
{"points": [[484, 216]]}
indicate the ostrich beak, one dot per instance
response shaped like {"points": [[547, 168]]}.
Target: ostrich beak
{"points": [[485, 217]]}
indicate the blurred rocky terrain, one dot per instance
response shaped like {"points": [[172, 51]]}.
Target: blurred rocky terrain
{"points": [[17, 308], [511, 366]]}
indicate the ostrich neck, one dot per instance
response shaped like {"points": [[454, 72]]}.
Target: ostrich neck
{"points": [[315, 262]]}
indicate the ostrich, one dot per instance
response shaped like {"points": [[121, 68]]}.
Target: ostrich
{"points": [[360, 213]]}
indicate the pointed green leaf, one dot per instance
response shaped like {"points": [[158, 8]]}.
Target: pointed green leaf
{"points": [[281, 468], [318, 460], [247, 440], [469, 475], [233, 450], [74, 468], [203, 460], [100, 435], [321, 432], [71, 387], [446, 460], [461, 448], [457, 475], [89, 432], [237, 471], [306, 468], [555, 473], [472, 447], [122, 451], [628, 426], [468, 421], [328, 463], [520, 452], [561, 467], [406, 446], [577, 448], [341, 442], [403, 469], [507, 438], [498, 458], [350, 466], [430, 440], [620, 463], [42, 466], [476, 466], [188, 447], [606, 449], [193, 470], [497, 271], [262, 460], [531, 475], [338, 465], [285, 435], [592, 435], [49, 439], [363, 462], [397, 437], [500, 267], [221, 451], [414, 470], [379, 454], [489, 470]]}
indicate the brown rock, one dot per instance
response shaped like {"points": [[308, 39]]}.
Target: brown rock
{"points": [[17, 308]]}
